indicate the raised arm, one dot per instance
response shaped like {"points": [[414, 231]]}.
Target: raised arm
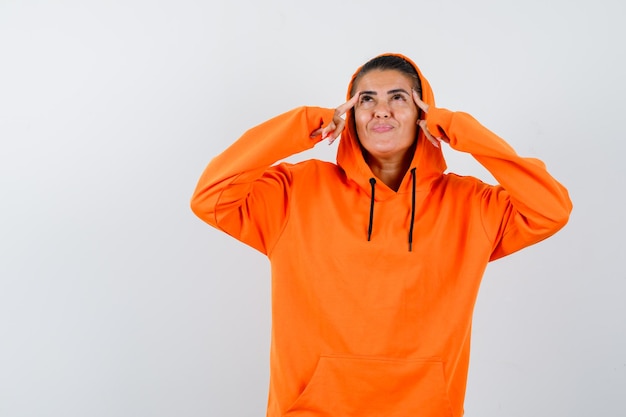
{"points": [[528, 205], [242, 192]]}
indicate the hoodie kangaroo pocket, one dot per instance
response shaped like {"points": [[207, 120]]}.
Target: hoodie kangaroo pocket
{"points": [[374, 387]]}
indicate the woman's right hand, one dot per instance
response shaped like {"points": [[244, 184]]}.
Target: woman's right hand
{"points": [[336, 126]]}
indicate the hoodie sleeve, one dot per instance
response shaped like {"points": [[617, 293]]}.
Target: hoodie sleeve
{"points": [[528, 205], [242, 192]]}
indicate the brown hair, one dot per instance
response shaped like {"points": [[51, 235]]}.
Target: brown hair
{"points": [[388, 62]]}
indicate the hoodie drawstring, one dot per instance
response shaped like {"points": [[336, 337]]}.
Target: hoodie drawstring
{"points": [[412, 210], [371, 225]]}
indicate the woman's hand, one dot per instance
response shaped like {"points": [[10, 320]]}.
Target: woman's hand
{"points": [[336, 126], [434, 140]]}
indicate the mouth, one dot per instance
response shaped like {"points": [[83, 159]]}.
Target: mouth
{"points": [[381, 128]]}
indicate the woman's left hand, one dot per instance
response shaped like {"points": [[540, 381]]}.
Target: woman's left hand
{"points": [[434, 140]]}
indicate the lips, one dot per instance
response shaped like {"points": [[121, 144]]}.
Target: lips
{"points": [[381, 128]]}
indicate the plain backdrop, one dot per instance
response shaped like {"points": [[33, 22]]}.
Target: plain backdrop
{"points": [[115, 300]]}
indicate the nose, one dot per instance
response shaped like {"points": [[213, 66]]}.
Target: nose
{"points": [[381, 111]]}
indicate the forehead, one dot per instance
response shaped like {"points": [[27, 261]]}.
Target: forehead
{"points": [[384, 80]]}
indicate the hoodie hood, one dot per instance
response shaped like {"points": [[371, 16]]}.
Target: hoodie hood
{"points": [[428, 161]]}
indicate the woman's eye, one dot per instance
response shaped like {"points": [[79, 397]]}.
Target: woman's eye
{"points": [[366, 101]]}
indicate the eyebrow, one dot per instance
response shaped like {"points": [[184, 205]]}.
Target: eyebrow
{"points": [[390, 92]]}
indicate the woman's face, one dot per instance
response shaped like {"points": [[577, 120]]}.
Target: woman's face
{"points": [[385, 114]]}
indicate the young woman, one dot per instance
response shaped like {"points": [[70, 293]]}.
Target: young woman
{"points": [[376, 260]]}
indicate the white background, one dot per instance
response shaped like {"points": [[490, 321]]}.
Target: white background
{"points": [[116, 301]]}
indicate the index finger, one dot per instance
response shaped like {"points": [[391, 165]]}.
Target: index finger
{"points": [[342, 109], [419, 102]]}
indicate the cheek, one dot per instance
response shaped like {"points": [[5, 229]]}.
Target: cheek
{"points": [[409, 116], [360, 120]]}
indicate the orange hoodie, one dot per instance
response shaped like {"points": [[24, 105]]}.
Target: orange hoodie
{"points": [[374, 322]]}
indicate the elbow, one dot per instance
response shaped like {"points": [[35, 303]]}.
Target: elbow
{"points": [[566, 210], [560, 216], [195, 206], [198, 206], [546, 223], [194, 203]]}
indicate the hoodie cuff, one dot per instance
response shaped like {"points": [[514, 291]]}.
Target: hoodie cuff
{"points": [[438, 121], [320, 117]]}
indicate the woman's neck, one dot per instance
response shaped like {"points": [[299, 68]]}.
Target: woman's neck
{"points": [[391, 171]]}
